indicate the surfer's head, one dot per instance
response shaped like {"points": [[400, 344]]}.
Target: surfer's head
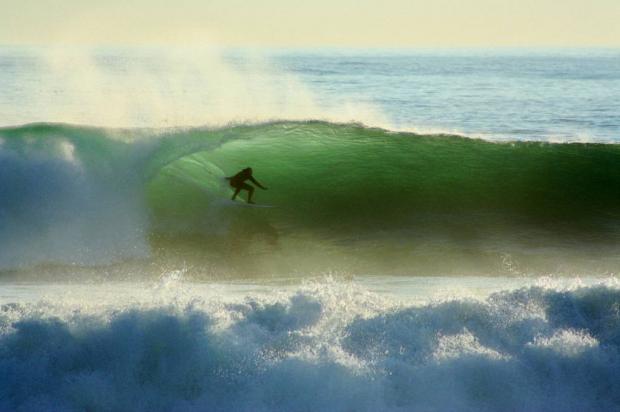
{"points": [[248, 170]]}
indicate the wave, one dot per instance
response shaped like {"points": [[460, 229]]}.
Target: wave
{"points": [[320, 347], [342, 192]]}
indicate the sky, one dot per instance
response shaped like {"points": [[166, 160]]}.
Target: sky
{"points": [[313, 23]]}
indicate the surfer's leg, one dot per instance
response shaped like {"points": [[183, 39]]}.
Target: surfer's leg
{"points": [[237, 190], [250, 190]]}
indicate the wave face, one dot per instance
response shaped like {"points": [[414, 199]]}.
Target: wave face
{"points": [[375, 199], [324, 346]]}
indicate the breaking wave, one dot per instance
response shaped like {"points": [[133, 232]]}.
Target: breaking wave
{"points": [[377, 199], [324, 346]]}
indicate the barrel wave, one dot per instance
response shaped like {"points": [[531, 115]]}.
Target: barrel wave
{"points": [[344, 196]]}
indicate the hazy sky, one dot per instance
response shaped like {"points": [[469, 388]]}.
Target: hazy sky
{"points": [[359, 23]]}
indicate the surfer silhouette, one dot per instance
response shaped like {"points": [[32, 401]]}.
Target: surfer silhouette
{"points": [[238, 183]]}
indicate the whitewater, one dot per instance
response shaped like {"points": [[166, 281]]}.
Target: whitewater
{"points": [[444, 233]]}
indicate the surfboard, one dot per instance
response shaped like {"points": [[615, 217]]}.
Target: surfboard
{"points": [[245, 204], [223, 202]]}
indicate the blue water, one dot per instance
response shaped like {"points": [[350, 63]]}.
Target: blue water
{"points": [[514, 94], [558, 95], [326, 344], [99, 314]]}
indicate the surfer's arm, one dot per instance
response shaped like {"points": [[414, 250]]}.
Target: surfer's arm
{"points": [[256, 183]]}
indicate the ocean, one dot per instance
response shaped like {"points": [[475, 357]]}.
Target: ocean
{"points": [[442, 231]]}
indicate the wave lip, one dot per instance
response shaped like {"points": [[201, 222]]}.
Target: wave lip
{"points": [[531, 349]]}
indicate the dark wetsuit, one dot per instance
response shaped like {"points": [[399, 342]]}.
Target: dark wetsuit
{"points": [[239, 179], [238, 182]]}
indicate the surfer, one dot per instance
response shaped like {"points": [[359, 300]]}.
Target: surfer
{"points": [[238, 183]]}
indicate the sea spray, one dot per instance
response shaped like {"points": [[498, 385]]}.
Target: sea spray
{"points": [[326, 345]]}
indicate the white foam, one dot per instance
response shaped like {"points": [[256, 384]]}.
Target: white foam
{"points": [[324, 345]]}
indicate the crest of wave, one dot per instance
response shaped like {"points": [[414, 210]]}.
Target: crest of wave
{"points": [[162, 87]]}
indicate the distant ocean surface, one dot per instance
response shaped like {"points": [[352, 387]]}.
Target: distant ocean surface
{"points": [[443, 231], [523, 94]]}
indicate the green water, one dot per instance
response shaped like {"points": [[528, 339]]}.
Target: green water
{"points": [[374, 198], [345, 197]]}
